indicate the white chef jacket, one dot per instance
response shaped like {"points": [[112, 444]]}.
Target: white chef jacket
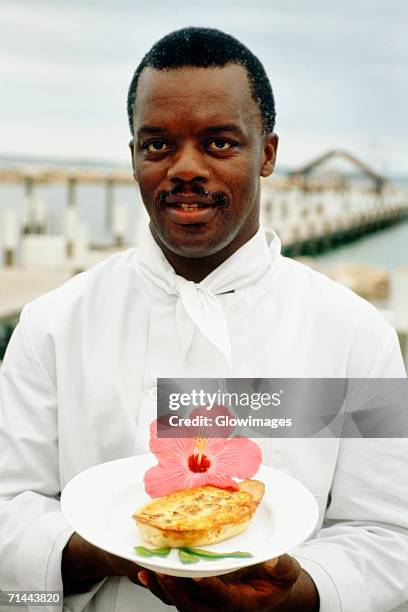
{"points": [[78, 387]]}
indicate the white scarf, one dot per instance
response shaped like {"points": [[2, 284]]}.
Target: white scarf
{"points": [[199, 300]]}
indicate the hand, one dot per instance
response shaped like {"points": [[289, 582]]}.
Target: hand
{"points": [[277, 585], [84, 564]]}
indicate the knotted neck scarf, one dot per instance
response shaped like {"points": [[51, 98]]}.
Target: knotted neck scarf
{"points": [[197, 303]]}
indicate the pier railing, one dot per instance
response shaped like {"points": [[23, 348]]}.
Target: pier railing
{"points": [[308, 218], [312, 221]]}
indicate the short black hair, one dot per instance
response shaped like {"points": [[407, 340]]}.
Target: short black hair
{"points": [[207, 48]]}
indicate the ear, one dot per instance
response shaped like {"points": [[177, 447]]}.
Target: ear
{"points": [[132, 153], [269, 154]]}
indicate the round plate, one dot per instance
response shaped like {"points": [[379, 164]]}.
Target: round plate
{"points": [[100, 501]]}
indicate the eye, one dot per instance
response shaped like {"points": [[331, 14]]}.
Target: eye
{"points": [[219, 144], [156, 146]]}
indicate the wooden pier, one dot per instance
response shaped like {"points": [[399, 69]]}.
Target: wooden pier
{"points": [[311, 211]]}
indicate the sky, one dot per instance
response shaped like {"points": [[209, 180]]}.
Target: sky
{"points": [[338, 68]]}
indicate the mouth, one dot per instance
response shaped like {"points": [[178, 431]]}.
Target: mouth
{"points": [[191, 213], [189, 207], [197, 209]]}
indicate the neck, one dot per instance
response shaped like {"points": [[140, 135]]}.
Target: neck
{"points": [[197, 268]]}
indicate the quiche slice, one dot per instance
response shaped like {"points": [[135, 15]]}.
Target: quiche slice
{"points": [[199, 516]]}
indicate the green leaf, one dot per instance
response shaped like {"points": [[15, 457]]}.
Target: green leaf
{"points": [[152, 552], [185, 557], [208, 554]]}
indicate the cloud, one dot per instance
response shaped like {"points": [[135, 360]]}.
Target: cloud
{"points": [[69, 138], [339, 69]]}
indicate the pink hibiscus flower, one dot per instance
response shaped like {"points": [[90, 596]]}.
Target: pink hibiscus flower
{"points": [[189, 461]]}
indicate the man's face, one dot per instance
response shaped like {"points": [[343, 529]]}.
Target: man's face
{"points": [[198, 154]]}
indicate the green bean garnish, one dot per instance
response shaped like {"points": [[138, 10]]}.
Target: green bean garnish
{"points": [[187, 558], [152, 552], [208, 554]]}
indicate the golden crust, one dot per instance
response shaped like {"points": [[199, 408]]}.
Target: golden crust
{"points": [[199, 516]]}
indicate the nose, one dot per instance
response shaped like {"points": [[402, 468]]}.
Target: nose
{"points": [[188, 164]]}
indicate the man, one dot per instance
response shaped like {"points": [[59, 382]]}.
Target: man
{"points": [[206, 295]]}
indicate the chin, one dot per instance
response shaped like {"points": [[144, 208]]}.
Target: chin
{"points": [[195, 248]]}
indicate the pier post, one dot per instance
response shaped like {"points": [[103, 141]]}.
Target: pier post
{"points": [[10, 237], [70, 216], [72, 183], [119, 223], [29, 204], [109, 202]]}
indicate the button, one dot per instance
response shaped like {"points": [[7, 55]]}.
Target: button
{"points": [[238, 306], [153, 393]]}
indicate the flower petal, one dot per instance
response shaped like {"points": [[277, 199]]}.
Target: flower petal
{"points": [[221, 480], [160, 481], [170, 450], [239, 457]]}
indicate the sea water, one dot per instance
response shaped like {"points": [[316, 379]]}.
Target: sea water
{"points": [[387, 248]]}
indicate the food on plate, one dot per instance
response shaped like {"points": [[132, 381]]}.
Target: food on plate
{"points": [[188, 554], [187, 558], [209, 554], [152, 552], [199, 516]]}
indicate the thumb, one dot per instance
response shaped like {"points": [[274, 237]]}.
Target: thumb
{"points": [[284, 569], [270, 565]]}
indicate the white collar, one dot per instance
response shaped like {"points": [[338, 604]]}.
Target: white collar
{"points": [[244, 267]]}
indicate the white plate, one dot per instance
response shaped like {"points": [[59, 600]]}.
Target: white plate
{"points": [[100, 501]]}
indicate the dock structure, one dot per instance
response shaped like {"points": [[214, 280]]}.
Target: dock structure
{"points": [[30, 177], [311, 211], [306, 170], [22, 246], [312, 222], [314, 213]]}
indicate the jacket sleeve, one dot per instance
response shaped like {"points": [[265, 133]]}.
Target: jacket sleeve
{"points": [[33, 531], [359, 559]]}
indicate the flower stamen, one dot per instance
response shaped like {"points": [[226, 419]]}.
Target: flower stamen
{"points": [[200, 445]]}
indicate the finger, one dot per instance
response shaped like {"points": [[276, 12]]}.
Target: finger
{"points": [[272, 563], [180, 592], [285, 570], [131, 571], [235, 576], [225, 595], [143, 578], [149, 581]]}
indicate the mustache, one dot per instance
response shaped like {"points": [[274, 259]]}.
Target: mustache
{"points": [[218, 198]]}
